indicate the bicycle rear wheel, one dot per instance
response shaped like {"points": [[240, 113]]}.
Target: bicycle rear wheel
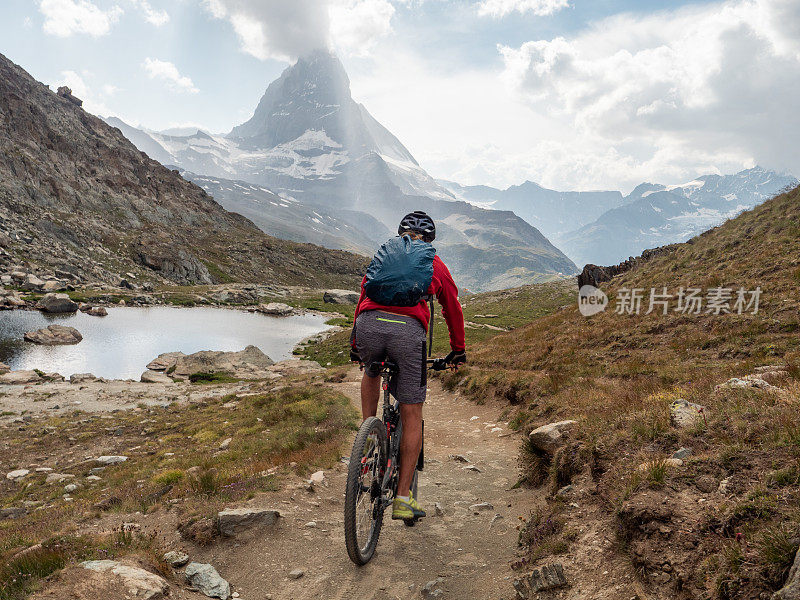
{"points": [[363, 513]]}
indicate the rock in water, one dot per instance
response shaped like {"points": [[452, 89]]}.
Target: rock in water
{"points": [[791, 589], [236, 520], [57, 303], [139, 583], [277, 309], [97, 311], [206, 579], [340, 297], [54, 335], [549, 438]]}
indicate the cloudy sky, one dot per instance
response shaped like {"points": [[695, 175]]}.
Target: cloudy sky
{"points": [[573, 94]]}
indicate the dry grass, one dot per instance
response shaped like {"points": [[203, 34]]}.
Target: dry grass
{"points": [[173, 454], [617, 375]]}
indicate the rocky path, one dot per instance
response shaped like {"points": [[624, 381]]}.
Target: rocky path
{"points": [[468, 549], [463, 550]]}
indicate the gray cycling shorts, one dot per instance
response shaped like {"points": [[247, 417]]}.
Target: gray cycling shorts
{"points": [[386, 336]]}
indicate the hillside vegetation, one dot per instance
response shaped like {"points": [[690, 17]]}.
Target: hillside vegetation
{"points": [[617, 375], [78, 197]]}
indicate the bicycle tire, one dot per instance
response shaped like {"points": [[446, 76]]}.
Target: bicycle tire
{"points": [[361, 551]]}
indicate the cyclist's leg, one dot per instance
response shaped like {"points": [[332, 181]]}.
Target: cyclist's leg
{"points": [[410, 445], [371, 347], [370, 394]]}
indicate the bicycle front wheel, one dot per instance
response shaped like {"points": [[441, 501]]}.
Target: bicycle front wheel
{"points": [[363, 513]]}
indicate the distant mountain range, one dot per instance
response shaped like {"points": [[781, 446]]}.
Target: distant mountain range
{"points": [[606, 228], [314, 165]]}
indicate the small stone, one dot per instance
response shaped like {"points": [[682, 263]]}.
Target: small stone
{"points": [[706, 484], [682, 453], [82, 378], [110, 460], [138, 582], [433, 589], [480, 507], [547, 577], [70, 487], [278, 309], [17, 474], [12, 513], [225, 443], [92, 478], [460, 458], [205, 578], [176, 558], [549, 438], [438, 509], [235, 520], [472, 468], [685, 414], [58, 477], [310, 525], [318, 478], [565, 491], [296, 573]]}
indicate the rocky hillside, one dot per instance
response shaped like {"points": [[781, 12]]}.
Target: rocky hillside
{"points": [[678, 431], [77, 196]]}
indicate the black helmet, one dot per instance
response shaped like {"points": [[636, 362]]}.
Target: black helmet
{"points": [[420, 222]]}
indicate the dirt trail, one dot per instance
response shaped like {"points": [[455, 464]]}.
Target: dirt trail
{"points": [[472, 552]]}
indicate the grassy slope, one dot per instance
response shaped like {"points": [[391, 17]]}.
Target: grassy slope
{"points": [[512, 308], [303, 424], [617, 375]]}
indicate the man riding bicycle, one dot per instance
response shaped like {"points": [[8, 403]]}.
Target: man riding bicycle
{"points": [[397, 333]]}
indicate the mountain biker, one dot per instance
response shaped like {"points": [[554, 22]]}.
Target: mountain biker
{"points": [[398, 333]]}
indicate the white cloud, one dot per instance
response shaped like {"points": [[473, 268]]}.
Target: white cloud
{"points": [[151, 15], [356, 25], [276, 29], [502, 8], [674, 92], [66, 17], [166, 71]]}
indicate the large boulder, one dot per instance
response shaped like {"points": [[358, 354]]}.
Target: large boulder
{"points": [[250, 363], [236, 520], [276, 309], [205, 578], [155, 377], [57, 303], [549, 438], [19, 377], [164, 362], [54, 335], [138, 582], [340, 297], [791, 589], [32, 283]]}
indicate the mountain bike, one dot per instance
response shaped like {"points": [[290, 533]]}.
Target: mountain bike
{"points": [[374, 471]]}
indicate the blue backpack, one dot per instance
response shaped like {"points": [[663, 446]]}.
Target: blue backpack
{"points": [[400, 272]]}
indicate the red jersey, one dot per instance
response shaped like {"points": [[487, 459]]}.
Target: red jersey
{"points": [[444, 288]]}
